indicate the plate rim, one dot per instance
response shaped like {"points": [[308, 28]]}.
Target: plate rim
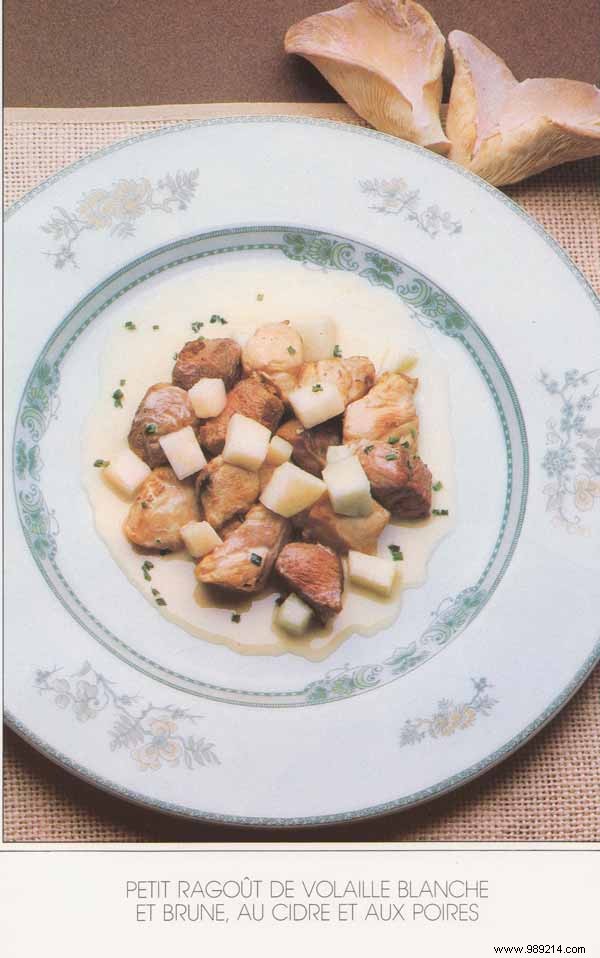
{"points": [[355, 128], [421, 797], [459, 779]]}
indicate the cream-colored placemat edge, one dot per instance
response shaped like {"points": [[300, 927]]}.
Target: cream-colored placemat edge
{"points": [[170, 112]]}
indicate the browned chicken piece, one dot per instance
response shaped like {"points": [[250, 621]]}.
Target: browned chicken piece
{"points": [[353, 376], [314, 573], [254, 397], [402, 484], [244, 561], [230, 526], [208, 359], [161, 507], [225, 491], [387, 410], [311, 445], [275, 350], [341, 533], [164, 408]]}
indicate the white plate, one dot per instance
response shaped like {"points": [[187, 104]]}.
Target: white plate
{"points": [[505, 627]]}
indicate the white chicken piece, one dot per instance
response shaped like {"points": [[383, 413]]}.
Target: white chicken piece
{"points": [[387, 410], [353, 376], [276, 351]]}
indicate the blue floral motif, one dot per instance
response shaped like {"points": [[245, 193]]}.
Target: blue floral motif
{"points": [[151, 734], [395, 197], [572, 457]]}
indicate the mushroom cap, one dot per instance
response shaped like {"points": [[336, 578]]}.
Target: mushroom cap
{"points": [[385, 58], [504, 130]]}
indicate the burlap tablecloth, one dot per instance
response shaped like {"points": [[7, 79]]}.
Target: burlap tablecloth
{"points": [[550, 790]]}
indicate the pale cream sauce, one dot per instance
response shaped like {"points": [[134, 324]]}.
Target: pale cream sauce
{"points": [[367, 319]]}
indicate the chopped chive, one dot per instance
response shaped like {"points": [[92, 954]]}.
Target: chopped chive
{"points": [[175, 355], [156, 327], [368, 449], [155, 592], [392, 440], [391, 455], [317, 388], [147, 564], [197, 326], [101, 463], [218, 319], [151, 428], [439, 512], [291, 350], [255, 559], [122, 382], [144, 504], [405, 444], [337, 351], [437, 486], [397, 554], [118, 397], [260, 297], [413, 433], [160, 601], [130, 326], [164, 552], [236, 617]]}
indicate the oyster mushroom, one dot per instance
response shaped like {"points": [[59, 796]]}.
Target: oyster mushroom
{"points": [[504, 130], [385, 58]]}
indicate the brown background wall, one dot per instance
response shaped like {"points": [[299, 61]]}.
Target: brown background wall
{"points": [[65, 53]]}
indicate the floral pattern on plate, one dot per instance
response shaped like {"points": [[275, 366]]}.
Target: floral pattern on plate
{"points": [[572, 459], [117, 209], [450, 716], [395, 197], [153, 735]]}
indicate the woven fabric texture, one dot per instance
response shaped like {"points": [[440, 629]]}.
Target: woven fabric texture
{"points": [[548, 791]]}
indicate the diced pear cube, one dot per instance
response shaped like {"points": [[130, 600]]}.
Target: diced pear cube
{"points": [[315, 404], [290, 490], [183, 451], [246, 443], [200, 538], [318, 337], [337, 453], [372, 572], [397, 360], [208, 397], [348, 487], [294, 615], [126, 473], [279, 451]]}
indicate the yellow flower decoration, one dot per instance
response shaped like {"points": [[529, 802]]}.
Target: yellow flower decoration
{"points": [[129, 198], [95, 209], [161, 748], [586, 490]]}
